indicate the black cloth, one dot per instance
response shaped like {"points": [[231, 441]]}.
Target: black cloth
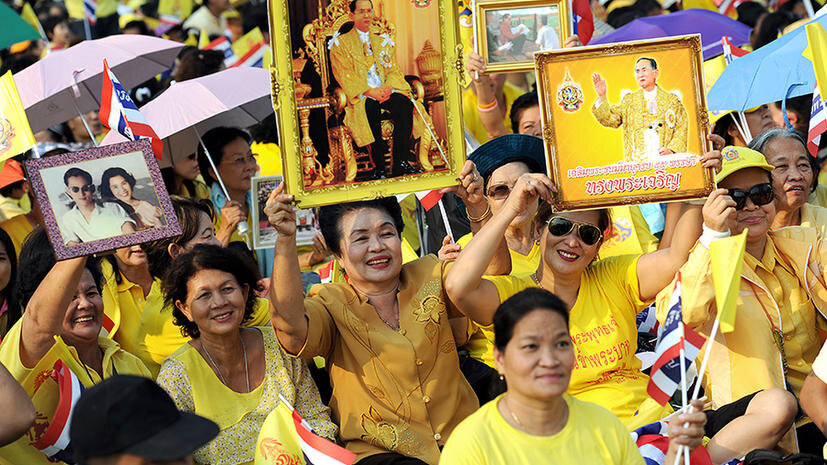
{"points": [[390, 458], [810, 439], [401, 113], [718, 418]]}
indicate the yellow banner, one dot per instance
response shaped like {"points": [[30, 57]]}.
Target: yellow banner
{"points": [[727, 259], [278, 442], [15, 134], [246, 42]]}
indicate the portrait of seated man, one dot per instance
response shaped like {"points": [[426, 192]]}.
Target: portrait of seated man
{"points": [[89, 220], [365, 66], [654, 120]]}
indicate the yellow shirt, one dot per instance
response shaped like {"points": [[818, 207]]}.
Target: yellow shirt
{"points": [[393, 390], [12, 207], [471, 114], [158, 337], [815, 216], [521, 265], [123, 304], [201, 189], [819, 196], [18, 228], [268, 157], [195, 388], [591, 436], [603, 329]]}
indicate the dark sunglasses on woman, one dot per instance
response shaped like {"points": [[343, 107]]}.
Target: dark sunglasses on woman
{"points": [[588, 233], [760, 194]]}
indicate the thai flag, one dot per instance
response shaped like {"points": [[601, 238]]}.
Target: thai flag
{"points": [[818, 122], [253, 58], [119, 112], [429, 199], [222, 44], [55, 441], [652, 441], [90, 7], [727, 7], [326, 272], [666, 372], [647, 321], [731, 52], [583, 20], [318, 450]]}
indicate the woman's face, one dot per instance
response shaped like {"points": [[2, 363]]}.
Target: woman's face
{"points": [[757, 218], [238, 165], [501, 182], [760, 120], [205, 235], [569, 255], [84, 317], [529, 122], [5, 268], [370, 246], [793, 175], [120, 188], [538, 360], [215, 301], [131, 256], [187, 168]]}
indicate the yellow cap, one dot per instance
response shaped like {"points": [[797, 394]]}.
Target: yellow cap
{"points": [[619, 4], [738, 158], [715, 115]]}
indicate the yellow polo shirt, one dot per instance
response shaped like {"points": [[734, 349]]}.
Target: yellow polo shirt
{"points": [[123, 304], [18, 228]]}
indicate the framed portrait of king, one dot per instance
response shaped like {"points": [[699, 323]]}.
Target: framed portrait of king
{"points": [[368, 97], [625, 123]]}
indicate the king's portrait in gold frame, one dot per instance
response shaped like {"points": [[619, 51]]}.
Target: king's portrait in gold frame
{"points": [[367, 94], [625, 123]]}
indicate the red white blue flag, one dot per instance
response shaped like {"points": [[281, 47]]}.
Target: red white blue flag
{"points": [[731, 52], [223, 44], [666, 372], [318, 450], [652, 441], [583, 20], [55, 441], [89, 11], [253, 58], [119, 113], [818, 122]]}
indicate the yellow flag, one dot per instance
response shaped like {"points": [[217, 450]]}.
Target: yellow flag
{"points": [[180, 9], [191, 40], [246, 42], [203, 39], [727, 257], [15, 134], [277, 441], [28, 15], [816, 52]]}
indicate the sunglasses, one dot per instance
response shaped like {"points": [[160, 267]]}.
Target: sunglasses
{"points": [[86, 188], [499, 192], [760, 194], [588, 233]]}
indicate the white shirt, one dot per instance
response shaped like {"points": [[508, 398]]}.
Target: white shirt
{"points": [[547, 39], [650, 97], [105, 222], [203, 19], [373, 77]]}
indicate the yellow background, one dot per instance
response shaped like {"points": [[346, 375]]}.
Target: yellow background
{"points": [[582, 141]]}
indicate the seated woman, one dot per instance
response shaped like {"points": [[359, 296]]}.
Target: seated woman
{"points": [[60, 299], [777, 327], [386, 334], [793, 179], [535, 419], [157, 337], [127, 283], [117, 184], [226, 373]]}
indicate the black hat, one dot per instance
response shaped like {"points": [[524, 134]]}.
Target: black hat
{"points": [[128, 414], [509, 148]]}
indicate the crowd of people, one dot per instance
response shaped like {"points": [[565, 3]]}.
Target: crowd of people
{"points": [[519, 343]]}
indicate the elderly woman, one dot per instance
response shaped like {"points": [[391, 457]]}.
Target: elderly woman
{"points": [[793, 179], [535, 419], [60, 299], [157, 337], [386, 334], [226, 373], [117, 184]]}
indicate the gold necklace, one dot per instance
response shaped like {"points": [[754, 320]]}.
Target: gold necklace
{"points": [[514, 415]]}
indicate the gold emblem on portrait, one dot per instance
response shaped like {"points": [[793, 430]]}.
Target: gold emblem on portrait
{"points": [[569, 94]]}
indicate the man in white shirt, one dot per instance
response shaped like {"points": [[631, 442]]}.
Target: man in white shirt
{"points": [[88, 221], [209, 18], [547, 37]]}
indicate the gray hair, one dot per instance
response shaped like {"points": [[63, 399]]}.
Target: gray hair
{"points": [[760, 142]]}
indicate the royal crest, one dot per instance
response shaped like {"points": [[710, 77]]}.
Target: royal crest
{"points": [[421, 3], [729, 154], [6, 133], [569, 94]]}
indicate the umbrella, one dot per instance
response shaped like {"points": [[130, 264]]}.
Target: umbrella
{"points": [[46, 87], [774, 72], [709, 24], [233, 97], [15, 29]]}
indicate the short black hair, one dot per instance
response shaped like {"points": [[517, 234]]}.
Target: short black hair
{"points": [[352, 5], [187, 210], [76, 173], [516, 307], [36, 260], [215, 140], [141, 26], [749, 12], [110, 173], [521, 103], [721, 128], [331, 215], [7, 191], [651, 61], [207, 257], [51, 22]]}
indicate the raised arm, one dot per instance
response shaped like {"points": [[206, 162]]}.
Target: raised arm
{"points": [[492, 115], [45, 312], [17, 408], [286, 297], [472, 295]]}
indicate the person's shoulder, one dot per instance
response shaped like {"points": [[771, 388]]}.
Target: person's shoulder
{"points": [[479, 423], [593, 416]]}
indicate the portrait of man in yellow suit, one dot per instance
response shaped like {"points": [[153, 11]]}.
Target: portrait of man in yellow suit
{"points": [[364, 64], [654, 120]]}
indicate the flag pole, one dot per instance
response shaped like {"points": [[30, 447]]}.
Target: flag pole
{"points": [[445, 220], [705, 360], [474, 39], [76, 93], [682, 450], [86, 28]]}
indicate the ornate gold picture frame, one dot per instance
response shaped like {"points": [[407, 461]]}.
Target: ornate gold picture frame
{"points": [[347, 86], [509, 32], [641, 141]]}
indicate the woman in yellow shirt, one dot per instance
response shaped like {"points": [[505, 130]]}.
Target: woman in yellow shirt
{"points": [[229, 374], [127, 284], [535, 419], [184, 178]]}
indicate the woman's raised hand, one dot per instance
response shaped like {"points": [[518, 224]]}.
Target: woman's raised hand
{"points": [[280, 211], [470, 187], [449, 250], [528, 188], [719, 211], [712, 159]]}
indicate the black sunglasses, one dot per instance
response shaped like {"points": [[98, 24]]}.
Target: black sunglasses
{"points": [[588, 233], [86, 188], [760, 194]]}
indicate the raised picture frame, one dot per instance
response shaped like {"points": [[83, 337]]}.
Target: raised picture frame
{"points": [[264, 234]]}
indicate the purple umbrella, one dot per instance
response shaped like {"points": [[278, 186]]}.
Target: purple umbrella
{"points": [[709, 24]]}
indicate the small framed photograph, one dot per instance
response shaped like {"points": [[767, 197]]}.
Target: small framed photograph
{"points": [[102, 199], [264, 234], [509, 32], [625, 123]]}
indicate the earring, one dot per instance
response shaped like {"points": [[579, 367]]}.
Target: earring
{"points": [[502, 378]]}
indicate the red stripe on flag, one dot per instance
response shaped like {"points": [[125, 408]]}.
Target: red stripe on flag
{"points": [[106, 96], [429, 199], [247, 56], [64, 407], [108, 324], [656, 393], [321, 444]]}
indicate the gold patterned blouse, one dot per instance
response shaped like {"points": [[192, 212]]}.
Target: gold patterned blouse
{"points": [[393, 390]]}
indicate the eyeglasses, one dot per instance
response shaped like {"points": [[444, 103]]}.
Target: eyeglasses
{"points": [[499, 192], [588, 233], [760, 194], [85, 188], [243, 161]]}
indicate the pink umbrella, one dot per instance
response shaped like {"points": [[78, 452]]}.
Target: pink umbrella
{"points": [[233, 97], [66, 82]]}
